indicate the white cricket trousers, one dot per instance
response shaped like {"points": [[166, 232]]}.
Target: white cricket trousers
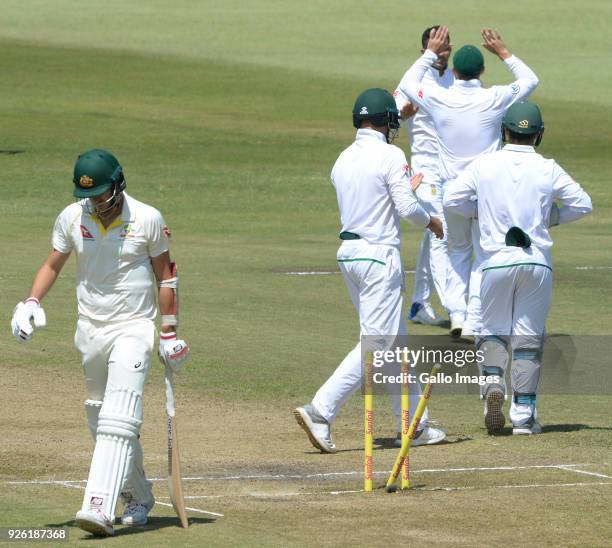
{"points": [[432, 262], [515, 304], [465, 258], [374, 277], [116, 357]]}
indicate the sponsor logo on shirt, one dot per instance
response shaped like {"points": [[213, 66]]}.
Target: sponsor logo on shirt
{"points": [[420, 93], [515, 88], [85, 234], [434, 191]]}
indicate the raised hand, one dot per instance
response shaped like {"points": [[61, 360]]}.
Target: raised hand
{"points": [[494, 43], [438, 40]]}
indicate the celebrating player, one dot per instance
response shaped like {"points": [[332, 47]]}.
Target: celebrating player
{"points": [[516, 190], [121, 246], [467, 118], [373, 187], [432, 263]]}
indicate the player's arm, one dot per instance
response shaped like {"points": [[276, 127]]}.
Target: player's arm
{"points": [[525, 79], [172, 351], [400, 187], [460, 194], [575, 202], [29, 314], [410, 85]]}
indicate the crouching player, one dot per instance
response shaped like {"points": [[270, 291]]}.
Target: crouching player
{"points": [[122, 253], [516, 191]]}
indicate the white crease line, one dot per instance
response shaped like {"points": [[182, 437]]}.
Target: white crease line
{"points": [[594, 268], [347, 492], [596, 474], [317, 475], [197, 510]]}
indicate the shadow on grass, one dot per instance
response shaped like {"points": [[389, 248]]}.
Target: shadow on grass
{"points": [[551, 428], [155, 523]]}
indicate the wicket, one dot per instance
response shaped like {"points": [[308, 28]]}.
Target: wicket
{"points": [[402, 462], [369, 423]]}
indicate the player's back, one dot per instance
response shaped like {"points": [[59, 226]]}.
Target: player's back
{"points": [[515, 189], [360, 179], [467, 119]]}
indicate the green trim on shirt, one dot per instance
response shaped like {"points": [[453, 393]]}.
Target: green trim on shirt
{"points": [[364, 259], [517, 264]]}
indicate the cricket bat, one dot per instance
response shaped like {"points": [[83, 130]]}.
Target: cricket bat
{"points": [[175, 482]]}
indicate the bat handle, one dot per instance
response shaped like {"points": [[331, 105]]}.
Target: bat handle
{"points": [[170, 410]]}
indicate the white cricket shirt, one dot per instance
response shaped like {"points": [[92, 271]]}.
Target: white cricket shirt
{"points": [[421, 129], [515, 186], [115, 280], [466, 116], [372, 182]]}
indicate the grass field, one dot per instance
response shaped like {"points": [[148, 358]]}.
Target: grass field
{"points": [[228, 116]]}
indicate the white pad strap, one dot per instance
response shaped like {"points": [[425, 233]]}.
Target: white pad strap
{"points": [[118, 427], [172, 283]]}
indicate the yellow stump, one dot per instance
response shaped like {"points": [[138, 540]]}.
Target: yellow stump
{"points": [[405, 370], [418, 414], [369, 423]]}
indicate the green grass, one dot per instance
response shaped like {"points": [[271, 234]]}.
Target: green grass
{"points": [[228, 117]]}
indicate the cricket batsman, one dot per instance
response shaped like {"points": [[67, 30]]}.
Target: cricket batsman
{"points": [[373, 187], [122, 256], [432, 262], [467, 118], [514, 193]]}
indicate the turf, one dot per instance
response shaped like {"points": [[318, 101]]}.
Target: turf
{"points": [[228, 117]]}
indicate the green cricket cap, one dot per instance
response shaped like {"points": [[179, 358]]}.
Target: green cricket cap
{"points": [[468, 61], [524, 118], [95, 172]]}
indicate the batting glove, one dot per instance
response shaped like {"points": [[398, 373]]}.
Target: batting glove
{"points": [[23, 315], [173, 352]]}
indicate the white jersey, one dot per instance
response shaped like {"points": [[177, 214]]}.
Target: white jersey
{"points": [[372, 182], [515, 187], [115, 280], [466, 116], [421, 129]]}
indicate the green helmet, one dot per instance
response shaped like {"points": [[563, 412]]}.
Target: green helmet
{"points": [[95, 172], [378, 106], [523, 118]]}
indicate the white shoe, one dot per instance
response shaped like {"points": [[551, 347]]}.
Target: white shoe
{"points": [[316, 427], [533, 427], [426, 436], [456, 327], [424, 313], [493, 414], [95, 522], [136, 513]]}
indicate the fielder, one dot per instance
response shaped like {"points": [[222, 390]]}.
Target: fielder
{"points": [[467, 118], [373, 188], [432, 263], [516, 190], [122, 253]]}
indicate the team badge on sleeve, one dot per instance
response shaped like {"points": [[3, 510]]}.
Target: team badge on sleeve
{"points": [[515, 88]]}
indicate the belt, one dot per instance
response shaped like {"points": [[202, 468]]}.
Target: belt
{"points": [[349, 236]]}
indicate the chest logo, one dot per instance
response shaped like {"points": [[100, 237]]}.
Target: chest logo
{"points": [[85, 234], [127, 231], [86, 181]]}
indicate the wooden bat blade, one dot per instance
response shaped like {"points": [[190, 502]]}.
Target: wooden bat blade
{"points": [[175, 482]]}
